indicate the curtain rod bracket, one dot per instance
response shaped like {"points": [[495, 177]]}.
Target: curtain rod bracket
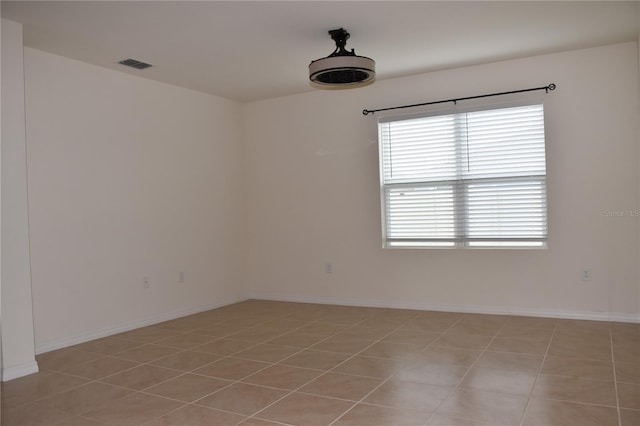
{"points": [[550, 86]]}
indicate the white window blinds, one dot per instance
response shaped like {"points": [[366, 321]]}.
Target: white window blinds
{"points": [[472, 179]]}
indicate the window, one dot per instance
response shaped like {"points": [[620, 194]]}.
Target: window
{"points": [[468, 179]]}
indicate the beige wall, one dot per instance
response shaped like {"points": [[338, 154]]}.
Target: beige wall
{"points": [[128, 178], [17, 320], [313, 196]]}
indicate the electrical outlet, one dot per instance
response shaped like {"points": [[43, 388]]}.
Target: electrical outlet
{"points": [[586, 275], [328, 268], [181, 277], [145, 282]]}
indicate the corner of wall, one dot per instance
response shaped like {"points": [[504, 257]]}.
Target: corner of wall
{"points": [[638, 170], [18, 346]]}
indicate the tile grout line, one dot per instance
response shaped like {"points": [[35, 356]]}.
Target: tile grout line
{"points": [[470, 367], [310, 348], [615, 378], [193, 349], [482, 352], [463, 376], [115, 355], [232, 382], [216, 338], [322, 319], [535, 381], [306, 383], [382, 383], [271, 364], [133, 391], [256, 414]]}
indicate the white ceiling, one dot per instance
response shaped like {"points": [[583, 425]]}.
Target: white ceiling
{"points": [[250, 50]]}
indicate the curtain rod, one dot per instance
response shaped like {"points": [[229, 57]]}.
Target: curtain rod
{"points": [[545, 88]]}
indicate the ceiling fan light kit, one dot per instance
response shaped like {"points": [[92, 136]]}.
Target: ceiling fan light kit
{"points": [[342, 69]]}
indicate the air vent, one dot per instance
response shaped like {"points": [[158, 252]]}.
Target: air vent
{"points": [[134, 64]]}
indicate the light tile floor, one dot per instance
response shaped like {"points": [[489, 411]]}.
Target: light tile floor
{"points": [[268, 363]]}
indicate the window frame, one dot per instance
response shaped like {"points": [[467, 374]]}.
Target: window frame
{"points": [[462, 184]]}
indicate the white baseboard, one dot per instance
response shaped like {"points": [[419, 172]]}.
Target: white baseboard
{"points": [[20, 370], [41, 347], [51, 345], [471, 309]]}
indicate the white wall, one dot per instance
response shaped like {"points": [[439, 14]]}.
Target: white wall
{"points": [[17, 332], [313, 196], [128, 178]]}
